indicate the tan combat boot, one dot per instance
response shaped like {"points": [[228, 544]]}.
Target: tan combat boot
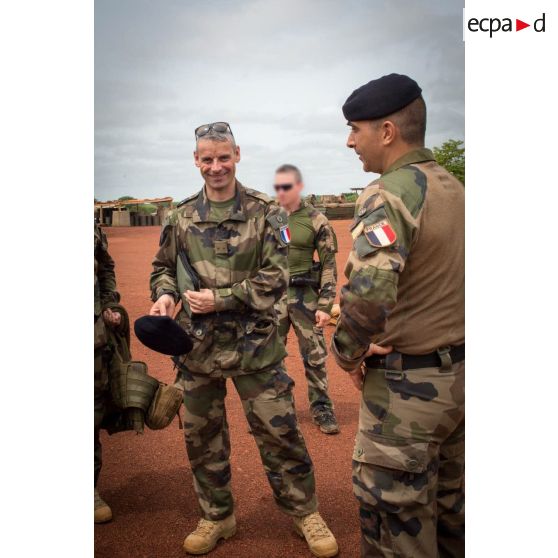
{"points": [[208, 533], [103, 513], [320, 539]]}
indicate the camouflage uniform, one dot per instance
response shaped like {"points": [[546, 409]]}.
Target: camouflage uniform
{"points": [[310, 231], [406, 289], [242, 258], [105, 294]]}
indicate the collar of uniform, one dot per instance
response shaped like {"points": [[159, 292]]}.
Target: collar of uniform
{"points": [[202, 207], [302, 205], [415, 156]]}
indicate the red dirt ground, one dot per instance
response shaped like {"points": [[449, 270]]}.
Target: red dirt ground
{"points": [[147, 478]]}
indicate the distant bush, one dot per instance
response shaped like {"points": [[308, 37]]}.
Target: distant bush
{"points": [[144, 208]]}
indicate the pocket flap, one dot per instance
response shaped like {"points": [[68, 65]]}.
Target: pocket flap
{"points": [[392, 453]]}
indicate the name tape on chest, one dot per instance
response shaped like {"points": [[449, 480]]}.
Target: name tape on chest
{"points": [[381, 234]]}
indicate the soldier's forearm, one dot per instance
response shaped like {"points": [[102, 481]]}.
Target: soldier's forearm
{"points": [[325, 299], [328, 283], [157, 293], [364, 312], [346, 352], [262, 291], [162, 282], [108, 297], [226, 300]]}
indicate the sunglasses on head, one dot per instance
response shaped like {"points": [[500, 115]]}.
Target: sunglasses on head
{"points": [[219, 127], [284, 187]]}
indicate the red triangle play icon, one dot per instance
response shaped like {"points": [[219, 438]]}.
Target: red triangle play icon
{"points": [[519, 25]]}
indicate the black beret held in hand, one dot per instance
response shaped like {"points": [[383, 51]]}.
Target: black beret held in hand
{"points": [[381, 97], [162, 334]]}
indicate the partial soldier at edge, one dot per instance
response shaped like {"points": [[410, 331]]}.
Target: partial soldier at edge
{"points": [[105, 295], [401, 330]]}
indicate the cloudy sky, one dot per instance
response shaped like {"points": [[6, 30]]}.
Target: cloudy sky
{"points": [[277, 70]]}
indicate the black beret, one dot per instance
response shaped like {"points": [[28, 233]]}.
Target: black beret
{"points": [[381, 97], [162, 334]]}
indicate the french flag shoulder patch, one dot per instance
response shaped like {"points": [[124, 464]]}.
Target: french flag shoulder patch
{"points": [[285, 234], [381, 234]]}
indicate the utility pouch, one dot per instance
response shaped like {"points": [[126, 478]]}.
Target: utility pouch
{"points": [[164, 406], [132, 386]]}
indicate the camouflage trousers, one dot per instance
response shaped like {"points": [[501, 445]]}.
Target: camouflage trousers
{"points": [[409, 462], [101, 402], [267, 401], [298, 308]]}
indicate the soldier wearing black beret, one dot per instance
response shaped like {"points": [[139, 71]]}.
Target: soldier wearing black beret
{"points": [[400, 334], [381, 97]]}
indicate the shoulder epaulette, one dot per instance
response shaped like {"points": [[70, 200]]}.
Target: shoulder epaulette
{"points": [[186, 200], [317, 218], [258, 195], [409, 184]]}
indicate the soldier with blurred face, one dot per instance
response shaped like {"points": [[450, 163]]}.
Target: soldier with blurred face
{"points": [[307, 303], [234, 239], [401, 332]]}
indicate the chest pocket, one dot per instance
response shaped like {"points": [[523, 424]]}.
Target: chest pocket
{"points": [[361, 246], [223, 256]]}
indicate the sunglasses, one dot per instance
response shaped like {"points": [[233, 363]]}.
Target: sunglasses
{"points": [[284, 187], [219, 127]]}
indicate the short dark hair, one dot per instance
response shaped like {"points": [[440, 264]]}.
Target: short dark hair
{"points": [[291, 168], [411, 121]]}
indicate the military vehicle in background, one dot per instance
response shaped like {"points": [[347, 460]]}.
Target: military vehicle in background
{"points": [[336, 207]]}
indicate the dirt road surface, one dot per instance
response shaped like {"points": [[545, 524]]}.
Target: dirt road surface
{"points": [[147, 478]]}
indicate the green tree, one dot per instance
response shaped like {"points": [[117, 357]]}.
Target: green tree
{"points": [[131, 208], [147, 208], [350, 197], [451, 156]]}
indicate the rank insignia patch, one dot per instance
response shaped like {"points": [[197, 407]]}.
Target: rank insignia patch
{"points": [[285, 234], [380, 235]]}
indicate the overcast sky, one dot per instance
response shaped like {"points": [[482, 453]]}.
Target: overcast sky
{"points": [[277, 71]]}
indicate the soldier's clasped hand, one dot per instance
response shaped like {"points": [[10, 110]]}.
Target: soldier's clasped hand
{"points": [[202, 302], [111, 318]]}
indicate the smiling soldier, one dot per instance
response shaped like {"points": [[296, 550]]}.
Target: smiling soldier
{"points": [[233, 241], [402, 320]]}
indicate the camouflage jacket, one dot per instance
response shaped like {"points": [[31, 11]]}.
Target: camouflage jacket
{"points": [[406, 268], [243, 260], [310, 231], [105, 280]]}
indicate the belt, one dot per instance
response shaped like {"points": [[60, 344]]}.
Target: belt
{"points": [[409, 362], [302, 281]]}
